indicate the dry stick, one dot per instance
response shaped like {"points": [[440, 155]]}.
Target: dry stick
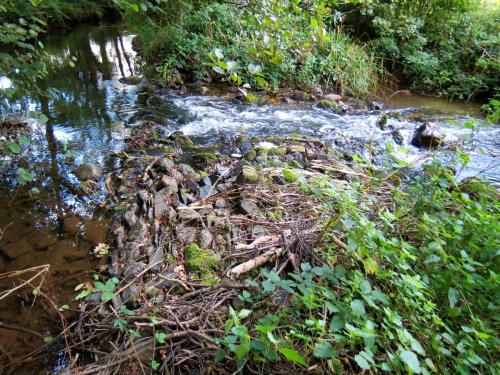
{"points": [[6, 293], [107, 183], [14, 327], [148, 168], [254, 263]]}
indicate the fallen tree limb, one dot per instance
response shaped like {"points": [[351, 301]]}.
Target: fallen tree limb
{"points": [[254, 263]]}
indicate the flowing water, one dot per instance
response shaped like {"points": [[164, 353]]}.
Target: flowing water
{"points": [[89, 109]]}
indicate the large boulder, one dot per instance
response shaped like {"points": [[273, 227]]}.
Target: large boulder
{"points": [[430, 134]]}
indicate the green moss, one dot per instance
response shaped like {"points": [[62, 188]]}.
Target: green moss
{"points": [[279, 151], [251, 155], [208, 278], [329, 104], [204, 157], [251, 99], [197, 259]]}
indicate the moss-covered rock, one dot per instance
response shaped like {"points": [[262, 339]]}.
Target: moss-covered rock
{"points": [[204, 157], [329, 104], [248, 174], [251, 155], [279, 151], [181, 138], [197, 259]]}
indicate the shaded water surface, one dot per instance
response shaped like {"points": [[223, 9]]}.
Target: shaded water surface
{"points": [[90, 109]]}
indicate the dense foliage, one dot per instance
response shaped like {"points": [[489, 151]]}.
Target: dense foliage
{"points": [[414, 289], [446, 47]]}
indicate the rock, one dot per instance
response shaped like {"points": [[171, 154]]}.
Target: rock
{"points": [[300, 95], [329, 104], [143, 200], [139, 231], [88, 187], [397, 137], [186, 198], [382, 122], [251, 155], [96, 231], [169, 185], [155, 257], [186, 214], [161, 203], [249, 207], [248, 174], [204, 157], [205, 239], [189, 172], [87, 171], [430, 134], [332, 97], [132, 80], [164, 165], [43, 239], [133, 268], [185, 234], [13, 250], [72, 224], [221, 203], [171, 214], [130, 216], [206, 188], [377, 106], [180, 138]]}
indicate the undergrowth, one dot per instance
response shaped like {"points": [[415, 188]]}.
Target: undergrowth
{"points": [[415, 289]]}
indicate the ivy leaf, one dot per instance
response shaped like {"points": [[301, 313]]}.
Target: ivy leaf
{"points": [[12, 147], [410, 359], [154, 365], [324, 350], [293, 356]]}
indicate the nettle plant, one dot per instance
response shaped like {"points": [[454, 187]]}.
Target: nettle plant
{"points": [[415, 291]]}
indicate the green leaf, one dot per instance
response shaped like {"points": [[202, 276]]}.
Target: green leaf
{"points": [[83, 294], [12, 147], [336, 324], [48, 339], [218, 53], [218, 69], [154, 365], [24, 176], [106, 296], [453, 297], [244, 313], [24, 140], [410, 359], [362, 362], [324, 350], [160, 337], [293, 356], [220, 354], [242, 349], [358, 307]]}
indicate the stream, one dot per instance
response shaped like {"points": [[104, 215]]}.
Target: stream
{"points": [[90, 108]]}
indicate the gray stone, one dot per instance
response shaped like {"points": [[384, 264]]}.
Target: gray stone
{"points": [[169, 185], [143, 199], [205, 239], [186, 235], [171, 214], [249, 207], [87, 171], [186, 214], [221, 203], [164, 165], [155, 257], [332, 97], [189, 172], [430, 134], [161, 202], [130, 217], [139, 231]]}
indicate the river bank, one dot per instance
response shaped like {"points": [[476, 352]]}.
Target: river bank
{"points": [[92, 112]]}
